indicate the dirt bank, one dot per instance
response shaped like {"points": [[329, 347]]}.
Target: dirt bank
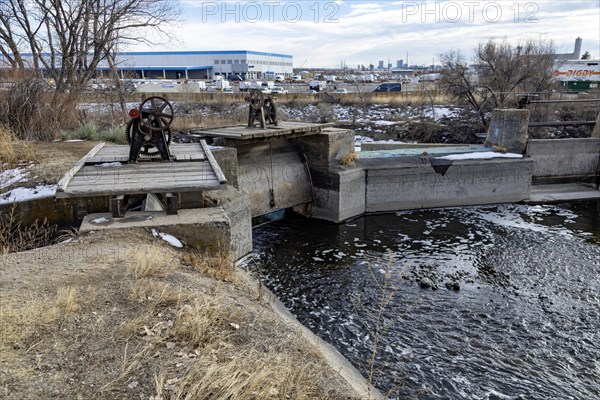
{"points": [[120, 314]]}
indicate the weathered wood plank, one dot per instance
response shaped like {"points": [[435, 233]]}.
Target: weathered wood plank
{"points": [[130, 187], [62, 184], [149, 168], [111, 191], [213, 163], [282, 129]]}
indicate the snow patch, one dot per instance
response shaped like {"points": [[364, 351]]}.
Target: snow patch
{"points": [[110, 165], [26, 194], [11, 176], [484, 155]]}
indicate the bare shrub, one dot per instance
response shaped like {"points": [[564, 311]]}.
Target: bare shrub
{"points": [[15, 237], [26, 110], [498, 71]]}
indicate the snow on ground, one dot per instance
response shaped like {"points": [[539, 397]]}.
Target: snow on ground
{"points": [[378, 114], [438, 112], [104, 107], [12, 176], [26, 194], [115, 164], [485, 155]]}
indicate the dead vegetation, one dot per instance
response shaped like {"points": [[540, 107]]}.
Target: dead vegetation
{"points": [[349, 158], [15, 236], [30, 110], [135, 323], [12, 151]]}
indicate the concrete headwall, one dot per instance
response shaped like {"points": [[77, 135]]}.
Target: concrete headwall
{"points": [[274, 175], [391, 184], [403, 186], [555, 158]]}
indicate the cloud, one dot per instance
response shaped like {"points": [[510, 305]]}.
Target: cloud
{"points": [[367, 31]]}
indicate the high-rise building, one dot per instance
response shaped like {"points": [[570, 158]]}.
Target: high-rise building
{"points": [[380, 65], [400, 64]]}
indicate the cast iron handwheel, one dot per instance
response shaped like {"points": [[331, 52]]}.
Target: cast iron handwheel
{"points": [[147, 150], [270, 111], [257, 99], [156, 114]]}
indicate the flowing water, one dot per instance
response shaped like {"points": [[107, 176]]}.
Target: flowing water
{"points": [[513, 311]]}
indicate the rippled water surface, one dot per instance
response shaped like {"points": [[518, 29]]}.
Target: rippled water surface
{"points": [[514, 311]]}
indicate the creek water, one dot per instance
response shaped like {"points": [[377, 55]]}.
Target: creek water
{"points": [[513, 311]]}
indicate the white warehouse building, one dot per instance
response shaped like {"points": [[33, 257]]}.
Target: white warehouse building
{"points": [[202, 64]]}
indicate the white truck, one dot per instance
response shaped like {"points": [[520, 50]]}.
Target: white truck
{"points": [[316, 85], [370, 78], [222, 84], [330, 78], [201, 85]]}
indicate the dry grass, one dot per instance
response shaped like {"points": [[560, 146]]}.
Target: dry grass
{"points": [[163, 335], [218, 264], [349, 159], [228, 355], [148, 262], [20, 321], [499, 149], [7, 148], [64, 304], [15, 237], [13, 151]]}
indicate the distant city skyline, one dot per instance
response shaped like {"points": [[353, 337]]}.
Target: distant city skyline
{"points": [[325, 34]]}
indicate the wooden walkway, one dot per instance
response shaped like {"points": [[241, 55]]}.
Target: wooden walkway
{"points": [[104, 171], [283, 128]]}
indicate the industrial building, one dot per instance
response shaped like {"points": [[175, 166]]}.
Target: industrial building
{"points": [[199, 64]]}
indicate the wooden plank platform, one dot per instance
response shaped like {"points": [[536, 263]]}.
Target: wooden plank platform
{"points": [[180, 152], [105, 172], [283, 128]]}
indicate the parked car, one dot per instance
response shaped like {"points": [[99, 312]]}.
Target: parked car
{"points": [[311, 91], [343, 90], [228, 90], [265, 90]]}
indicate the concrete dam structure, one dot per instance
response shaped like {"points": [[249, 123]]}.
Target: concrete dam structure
{"points": [[305, 172], [314, 170]]}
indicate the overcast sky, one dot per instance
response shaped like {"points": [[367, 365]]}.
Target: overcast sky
{"points": [[327, 33]]}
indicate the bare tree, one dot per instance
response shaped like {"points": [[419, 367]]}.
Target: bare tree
{"points": [[497, 72], [69, 38]]}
